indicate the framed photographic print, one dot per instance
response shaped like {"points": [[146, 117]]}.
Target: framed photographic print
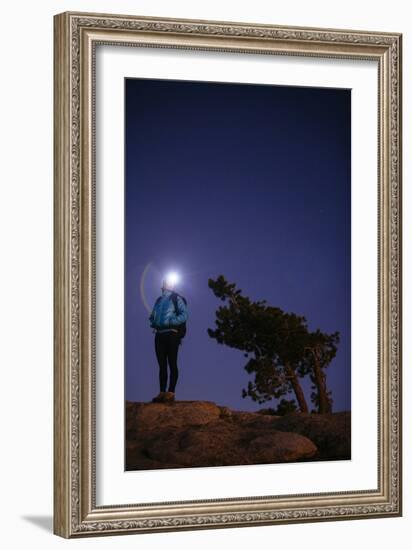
{"points": [[227, 274]]}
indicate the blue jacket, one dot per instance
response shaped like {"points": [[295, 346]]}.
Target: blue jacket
{"points": [[163, 315]]}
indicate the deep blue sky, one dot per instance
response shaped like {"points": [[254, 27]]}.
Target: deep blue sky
{"points": [[248, 181]]}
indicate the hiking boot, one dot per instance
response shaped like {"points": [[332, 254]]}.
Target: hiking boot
{"points": [[160, 398], [169, 396]]}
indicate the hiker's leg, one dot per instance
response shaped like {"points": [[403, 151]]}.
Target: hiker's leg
{"points": [[161, 354], [173, 349]]}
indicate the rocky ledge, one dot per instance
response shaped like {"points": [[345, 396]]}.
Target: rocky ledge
{"points": [[202, 433]]}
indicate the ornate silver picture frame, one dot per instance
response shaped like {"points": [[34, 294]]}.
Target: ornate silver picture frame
{"points": [[76, 510]]}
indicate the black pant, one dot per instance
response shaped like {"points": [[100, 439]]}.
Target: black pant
{"points": [[167, 346]]}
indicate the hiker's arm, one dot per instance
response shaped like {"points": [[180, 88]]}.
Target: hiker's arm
{"points": [[181, 317]]}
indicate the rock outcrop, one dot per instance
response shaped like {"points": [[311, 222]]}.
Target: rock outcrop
{"points": [[202, 433]]}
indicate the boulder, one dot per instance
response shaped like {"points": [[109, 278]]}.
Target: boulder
{"points": [[331, 432]]}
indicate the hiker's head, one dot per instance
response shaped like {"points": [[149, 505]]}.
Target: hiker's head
{"points": [[170, 281]]}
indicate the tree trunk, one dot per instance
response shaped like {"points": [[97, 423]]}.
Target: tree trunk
{"points": [[324, 404], [297, 388]]}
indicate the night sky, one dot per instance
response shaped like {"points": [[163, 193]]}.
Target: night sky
{"points": [[248, 181]]}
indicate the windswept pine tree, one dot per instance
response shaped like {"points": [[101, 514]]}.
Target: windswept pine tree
{"points": [[278, 345]]}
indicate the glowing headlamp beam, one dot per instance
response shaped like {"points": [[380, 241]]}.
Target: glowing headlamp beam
{"points": [[172, 278]]}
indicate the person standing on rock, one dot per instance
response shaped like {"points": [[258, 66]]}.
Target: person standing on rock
{"points": [[168, 320]]}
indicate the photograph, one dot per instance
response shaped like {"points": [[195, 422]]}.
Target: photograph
{"points": [[237, 275]]}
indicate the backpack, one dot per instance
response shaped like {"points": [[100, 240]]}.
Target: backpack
{"points": [[181, 329]]}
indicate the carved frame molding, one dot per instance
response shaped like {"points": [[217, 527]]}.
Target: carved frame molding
{"points": [[75, 38]]}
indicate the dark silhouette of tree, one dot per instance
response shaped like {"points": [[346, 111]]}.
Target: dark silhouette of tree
{"points": [[278, 345], [272, 340]]}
